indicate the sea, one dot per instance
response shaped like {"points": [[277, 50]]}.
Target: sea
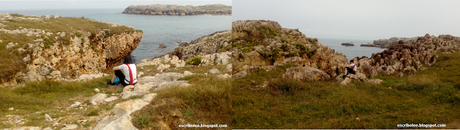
{"points": [[167, 30], [350, 51]]}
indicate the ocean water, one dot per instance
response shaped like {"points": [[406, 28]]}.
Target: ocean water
{"points": [[350, 51], [157, 30]]}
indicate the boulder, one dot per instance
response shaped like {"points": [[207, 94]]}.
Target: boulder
{"points": [[375, 81], [401, 74], [229, 68], [346, 81], [306, 74], [214, 71], [389, 70], [357, 77], [239, 75], [224, 76], [98, 98], [186, 73], [76, 104]]}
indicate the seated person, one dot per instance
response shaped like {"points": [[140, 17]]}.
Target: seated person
{"points": [[350, 69], [125, 72]]}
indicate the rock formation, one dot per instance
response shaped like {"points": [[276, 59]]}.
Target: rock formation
{"points": [[260, 44], [408, 56], [387, 43], [68, 54], [214, 9], [210, 44]]}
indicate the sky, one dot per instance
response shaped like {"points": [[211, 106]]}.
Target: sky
{"points": [[95, 4], [356, 19]]}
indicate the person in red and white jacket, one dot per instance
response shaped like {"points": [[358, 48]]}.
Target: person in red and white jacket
{"points": [[350, 69], [126, 72]]}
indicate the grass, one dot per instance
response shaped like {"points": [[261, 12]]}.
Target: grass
{"points": [[206, 102], [44, 95], [430, 97]]}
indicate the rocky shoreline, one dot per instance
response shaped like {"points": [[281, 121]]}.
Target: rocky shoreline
{"points": [[177, 10]]}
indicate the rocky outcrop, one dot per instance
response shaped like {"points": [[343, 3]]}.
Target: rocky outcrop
{"points": [[408, 57], [69, 53], [265, 44], [387, 43], [213, 9], [306, 74], [210, 44], [368, 45]]}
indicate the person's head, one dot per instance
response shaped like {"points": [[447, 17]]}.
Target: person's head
{"points": [[129, 59], [351, 61]]}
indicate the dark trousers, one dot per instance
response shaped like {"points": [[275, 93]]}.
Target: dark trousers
{"points": [[122, 77], [349, 70]]}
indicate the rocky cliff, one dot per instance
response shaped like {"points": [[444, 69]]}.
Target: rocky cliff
{"points": [[214, 9], [260, 44], [67, 52]]}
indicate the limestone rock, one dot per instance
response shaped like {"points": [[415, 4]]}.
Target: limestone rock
{"points": [[127, 107], [214, 71], [76, 104], [98, 98], [48, 117], [389, 70], [346, 81], [401, 74], [112, 98], [186, 73], [306, 74], [96, 90], [375, 81], [239, 75], [169, 84], [70, 127], [229, 68], [224, 76], [358, 77], [114, 123], [27, 128], [149, 97]]}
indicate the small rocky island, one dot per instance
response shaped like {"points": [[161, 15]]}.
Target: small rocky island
{"points": [[157, 9], [348, 44], [368, 45]]}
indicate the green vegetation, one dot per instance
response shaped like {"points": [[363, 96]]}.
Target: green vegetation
{"points": [[94, 112], [207, 101], [431, 97], [43, 95], [195, 60], [143, 121]]}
